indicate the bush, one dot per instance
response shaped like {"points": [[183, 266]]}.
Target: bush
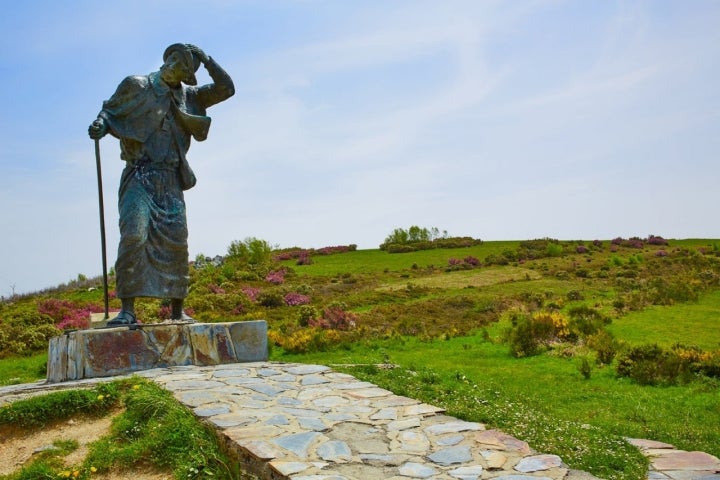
{"points": [[335, 317], [271, 299], [652, 365], [67, 314], [520, 337], [585, 321], [585, 368], [306, 313], [604, 345], [25, 332], [668, 292], [542, 329], [276, 277], [293, 299], [643, 364], [397, 248]]}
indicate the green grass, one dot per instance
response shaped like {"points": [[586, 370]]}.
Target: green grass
{"points": [[153, 430], [689, 324], [15, 370], [156, 429], [374, 261], [41, 411]]}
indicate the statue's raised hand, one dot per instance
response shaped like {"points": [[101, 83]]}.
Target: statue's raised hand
{"points": [[97, 129], [197, 51]]}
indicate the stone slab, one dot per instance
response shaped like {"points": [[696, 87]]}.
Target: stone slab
{"points": [[105, 352]]}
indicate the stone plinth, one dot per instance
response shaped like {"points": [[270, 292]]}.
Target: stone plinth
{"points": [[115, 351]]}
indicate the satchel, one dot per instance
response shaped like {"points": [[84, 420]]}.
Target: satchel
{"points": [[187, 176]]}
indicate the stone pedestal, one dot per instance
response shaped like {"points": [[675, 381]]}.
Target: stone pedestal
{"points": [[115, 351]]}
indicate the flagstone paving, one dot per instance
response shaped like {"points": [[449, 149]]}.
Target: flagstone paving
{"points": [[308, 422]]}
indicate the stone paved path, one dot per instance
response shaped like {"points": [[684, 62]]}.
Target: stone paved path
{"points": [[307, 422], [666, 462]]}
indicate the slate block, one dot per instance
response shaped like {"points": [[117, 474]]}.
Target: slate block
{"points": [[115, 351], [211, 344], [250, 340]]}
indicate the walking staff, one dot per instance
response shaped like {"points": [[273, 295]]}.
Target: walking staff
{"points": [[102, 228]]}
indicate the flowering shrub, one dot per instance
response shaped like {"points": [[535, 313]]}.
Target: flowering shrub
{"points": [[216, 289], [464, 264], [334, 316], [581, 249], [66, 314], [304, 259], [251, 292], [653, 365], [276, 277], [472, 261], [656, 240], [304, 254], [293, 299]]}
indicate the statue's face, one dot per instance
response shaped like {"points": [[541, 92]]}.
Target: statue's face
{"points": [[174, 70]]}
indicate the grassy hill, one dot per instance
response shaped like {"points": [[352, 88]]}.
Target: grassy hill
{"points": [[570, 345]]}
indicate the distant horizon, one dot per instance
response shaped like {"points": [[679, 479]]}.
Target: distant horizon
{"points": [[211, 256]]}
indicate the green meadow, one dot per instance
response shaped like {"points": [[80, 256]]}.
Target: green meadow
{"points": [[571, 346]]}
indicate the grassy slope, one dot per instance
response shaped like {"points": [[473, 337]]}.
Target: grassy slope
{"points": [[685, 416], [689, 324]]}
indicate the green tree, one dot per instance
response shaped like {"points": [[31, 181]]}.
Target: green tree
{"points": [[252, 251], [414, 234]]}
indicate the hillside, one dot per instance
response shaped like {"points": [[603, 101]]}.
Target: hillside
{"points": [[602, 339]]}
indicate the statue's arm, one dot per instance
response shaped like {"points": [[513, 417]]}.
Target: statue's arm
{"points": [[222, 87]]}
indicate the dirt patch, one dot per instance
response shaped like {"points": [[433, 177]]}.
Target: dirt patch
{"points": [[18, 446]]}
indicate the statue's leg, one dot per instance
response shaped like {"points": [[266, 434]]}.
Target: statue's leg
{"points": [[127, 313], [177, 312]]}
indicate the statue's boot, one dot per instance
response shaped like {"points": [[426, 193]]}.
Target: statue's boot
{"points": [[123, 318]]}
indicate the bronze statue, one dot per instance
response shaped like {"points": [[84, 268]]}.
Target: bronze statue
{"points": [[154, 116]]}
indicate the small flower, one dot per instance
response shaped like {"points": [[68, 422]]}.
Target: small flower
{"points": [[76, 474], [101, 397], [93, 469], [136, 387]]}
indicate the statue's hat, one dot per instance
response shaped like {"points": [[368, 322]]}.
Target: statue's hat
{"points": [[191, 60]]}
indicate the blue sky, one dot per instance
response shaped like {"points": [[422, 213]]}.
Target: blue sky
{"points": [[495, 119]]}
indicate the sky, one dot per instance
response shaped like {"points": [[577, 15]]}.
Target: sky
{"points": [[500, 120]]}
